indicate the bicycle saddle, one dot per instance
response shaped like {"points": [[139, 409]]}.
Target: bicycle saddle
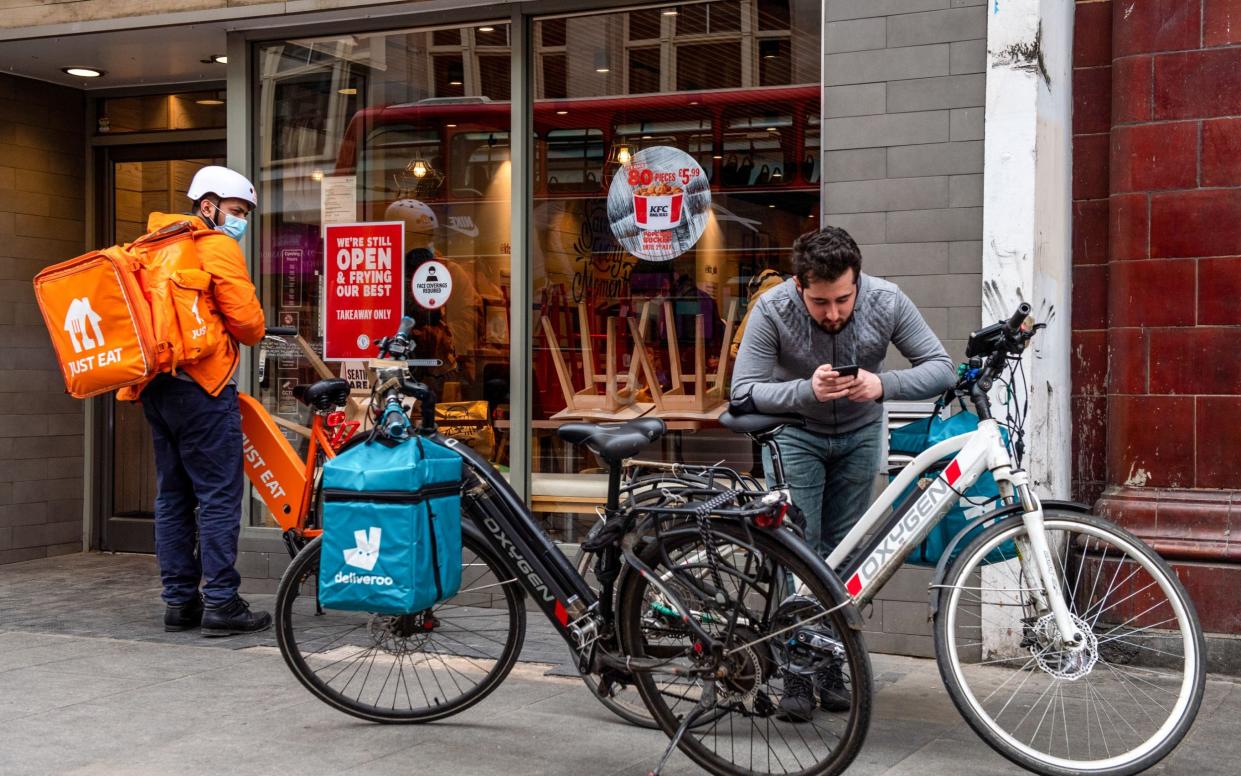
{"points": [[756, 423], [613, 442], [324, 395]]}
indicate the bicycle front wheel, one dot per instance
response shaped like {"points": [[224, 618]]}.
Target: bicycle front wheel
{"points": [[793, 692], [1116, 706], [403, 668]]}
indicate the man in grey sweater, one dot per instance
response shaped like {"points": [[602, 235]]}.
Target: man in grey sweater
{"points": [[831, 315]]}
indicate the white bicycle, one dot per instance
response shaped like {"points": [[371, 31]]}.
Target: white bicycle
{"points": [[1065, 642]]}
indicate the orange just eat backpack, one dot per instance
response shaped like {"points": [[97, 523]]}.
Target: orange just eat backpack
{"points": [[119, 316]]}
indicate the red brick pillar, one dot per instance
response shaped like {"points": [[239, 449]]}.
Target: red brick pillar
{"points": [[1173, 287]]}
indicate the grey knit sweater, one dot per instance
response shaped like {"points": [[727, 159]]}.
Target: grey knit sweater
{"points": [[783, 346]]}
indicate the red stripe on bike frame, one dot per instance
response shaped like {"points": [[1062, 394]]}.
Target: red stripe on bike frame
{"points": [[854, 585], [562, 614], [953, 472]]}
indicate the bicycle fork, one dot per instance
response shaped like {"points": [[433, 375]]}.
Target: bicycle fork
{"points": [[1040, 566]]}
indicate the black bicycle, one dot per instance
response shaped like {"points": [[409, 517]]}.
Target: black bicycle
{"points": [[706, 601]]}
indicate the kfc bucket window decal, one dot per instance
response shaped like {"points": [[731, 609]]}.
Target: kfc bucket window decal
{"points": [[658, 203]]}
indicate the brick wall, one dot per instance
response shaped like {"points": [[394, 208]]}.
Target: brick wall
{"points": [[42, 220], [905, 87], [1156, 281], [1092, 121], [903, 103]]}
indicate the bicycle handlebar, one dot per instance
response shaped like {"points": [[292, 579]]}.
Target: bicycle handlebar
{"points": [[1013, 326]]}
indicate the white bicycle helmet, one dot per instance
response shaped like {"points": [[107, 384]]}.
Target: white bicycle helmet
{"points": [[224, 183], [419, 218]]}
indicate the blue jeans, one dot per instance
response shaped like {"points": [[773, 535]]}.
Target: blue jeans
{"points": [[831, 478], [198, 465]]}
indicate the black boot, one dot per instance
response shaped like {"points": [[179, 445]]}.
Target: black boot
{"points": [[797, 705], [184, 616], [833, 694], [233, 618]]}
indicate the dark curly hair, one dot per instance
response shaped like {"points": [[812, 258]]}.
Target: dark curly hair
{"points": [[825, 255]]}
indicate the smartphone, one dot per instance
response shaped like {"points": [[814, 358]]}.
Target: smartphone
{"points": [[846, 371]]}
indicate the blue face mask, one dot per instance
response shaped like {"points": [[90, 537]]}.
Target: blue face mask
{"points": [[233, 226]]}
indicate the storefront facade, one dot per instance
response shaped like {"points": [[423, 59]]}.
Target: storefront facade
{"points": [[489, 137]]}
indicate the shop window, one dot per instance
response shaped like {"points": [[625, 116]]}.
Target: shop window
{"points": [[773, 14], [552, 32], [493, 75], [477, 159], [704, 120], [708, 66], [574, 160], [775, 65], [554, 72], [643, 70], [644, 24], [449, 75], [162, 112], [346, 137]]}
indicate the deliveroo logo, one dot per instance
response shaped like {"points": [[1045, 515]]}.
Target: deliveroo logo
{"points": [[366, 553], [77, 320]]}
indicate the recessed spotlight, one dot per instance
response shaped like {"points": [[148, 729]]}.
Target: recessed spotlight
{"points": [[348, 91], [486, 29], [219, 59], [562, 113], [82, 72]]}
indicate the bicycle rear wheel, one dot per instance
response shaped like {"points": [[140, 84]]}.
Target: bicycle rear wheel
{"points": [[1116, 707], [756, 596], [403, 668]]}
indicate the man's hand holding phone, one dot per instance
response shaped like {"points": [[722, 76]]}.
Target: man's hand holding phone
{"points": [[837, 382]]}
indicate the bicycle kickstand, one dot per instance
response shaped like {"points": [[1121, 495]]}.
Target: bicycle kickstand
{"points": [[690, 719]]}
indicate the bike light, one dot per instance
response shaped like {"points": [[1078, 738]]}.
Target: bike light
{"points": [[770, 520], [335, 419]]}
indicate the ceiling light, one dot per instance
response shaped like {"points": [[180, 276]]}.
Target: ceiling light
{"points": [[454, 83], [670, 12], [450, 125], [420, 169], [209, 101], [602, 70], [646, 137], [717, 156], [623, 156], [772, 129], [317, 175], [562, 113], [219, 59], [771, 206], [348, 90], [83, 72], [486, 29]]}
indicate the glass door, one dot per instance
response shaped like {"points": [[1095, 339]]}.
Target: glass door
{"points": [[139, 180]]}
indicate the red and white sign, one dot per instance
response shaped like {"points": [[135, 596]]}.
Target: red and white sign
{"points": [[363, 293], [431, 285]]}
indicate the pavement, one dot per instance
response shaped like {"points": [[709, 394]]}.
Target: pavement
{"points": [[90, 684]]}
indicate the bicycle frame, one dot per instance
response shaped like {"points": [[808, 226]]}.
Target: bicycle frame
{"points": [[866, 565], [283, 480]]}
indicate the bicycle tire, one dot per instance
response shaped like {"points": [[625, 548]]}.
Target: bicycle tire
{"points": [[473, 638], [1138, 655], [750, 699], [625, 700]]}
